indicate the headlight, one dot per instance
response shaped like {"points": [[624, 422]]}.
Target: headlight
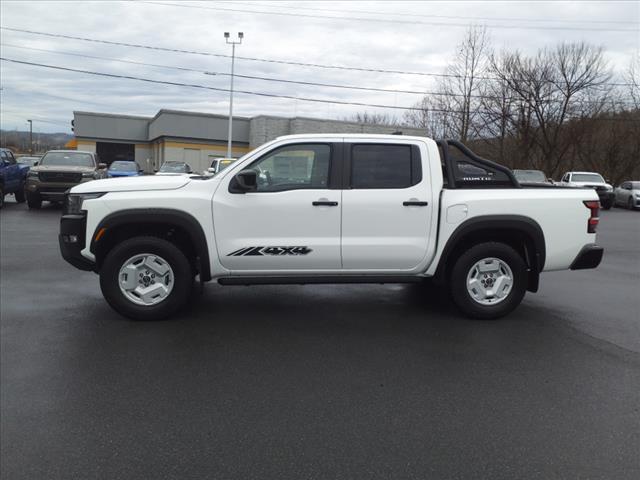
{"points": [[93, 175], [73, 202], [31, 174]]}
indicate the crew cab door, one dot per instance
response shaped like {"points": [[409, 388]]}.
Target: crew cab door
{"points": [[387, 205], [11, 171], [292, 221]]}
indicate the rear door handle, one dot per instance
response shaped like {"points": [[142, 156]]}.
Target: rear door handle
{"points": [[324, 203], [414, 203]]}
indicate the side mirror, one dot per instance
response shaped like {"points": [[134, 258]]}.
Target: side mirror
{"points": [[102, 165], [155, 170], [245, 181], [211, 170], [35, 164]]}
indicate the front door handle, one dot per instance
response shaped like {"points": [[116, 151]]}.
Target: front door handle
{"points": [[324, 203], [414, 203]]}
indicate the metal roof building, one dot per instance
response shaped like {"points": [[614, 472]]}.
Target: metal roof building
{"points": [[195, 138]]}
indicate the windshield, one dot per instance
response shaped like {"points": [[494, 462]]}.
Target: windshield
{"points": [[530, 176], [28, 160], [635, 185], [70, 159], [587, 177], [123, 166], [175, 167], [224, 164]]}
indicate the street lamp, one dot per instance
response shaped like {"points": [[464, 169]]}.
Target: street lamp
{"points": [[233, 44], [30, 137]]}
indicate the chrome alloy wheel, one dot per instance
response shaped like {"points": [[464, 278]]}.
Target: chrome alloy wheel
{"points": [[489, 281], [146, 279]]}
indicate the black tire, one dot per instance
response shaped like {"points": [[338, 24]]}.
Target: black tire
{"points": [[458, 280], [182, 271], [1, 196], [20, 195], [630, 203], [34, 201]]}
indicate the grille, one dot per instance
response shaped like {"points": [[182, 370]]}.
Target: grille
{"points": [[62, 177]]}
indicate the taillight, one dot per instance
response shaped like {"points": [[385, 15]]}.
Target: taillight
{"points": [[594, 219]]}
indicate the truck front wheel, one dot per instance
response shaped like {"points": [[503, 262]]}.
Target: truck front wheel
{"points": [[489, 280], [146, 278], [20, 195], [33, 200]]}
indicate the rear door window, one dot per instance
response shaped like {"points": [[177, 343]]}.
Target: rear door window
{"points": [[384, 166]]}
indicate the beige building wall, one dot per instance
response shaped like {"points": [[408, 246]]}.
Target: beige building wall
{"points": [[144, 156], [86, 145], [197, 155]]}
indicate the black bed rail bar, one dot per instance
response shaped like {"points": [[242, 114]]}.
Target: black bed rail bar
{"points": [[449, 163]]}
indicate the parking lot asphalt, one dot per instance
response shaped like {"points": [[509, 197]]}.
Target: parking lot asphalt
{"points": [[342, 381]]}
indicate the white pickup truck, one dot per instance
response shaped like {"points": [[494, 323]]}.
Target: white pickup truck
{"points": [[330, 209]]}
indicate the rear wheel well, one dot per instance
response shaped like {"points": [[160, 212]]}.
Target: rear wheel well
{"points": [[517, 239], [175, 234]]}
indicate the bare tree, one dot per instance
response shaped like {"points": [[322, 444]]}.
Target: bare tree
{"points": [[372, 118], [462, 84], [557, 86], [633, 80]]}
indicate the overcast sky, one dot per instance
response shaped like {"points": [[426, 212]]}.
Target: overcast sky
{"points": [[406, 36]]}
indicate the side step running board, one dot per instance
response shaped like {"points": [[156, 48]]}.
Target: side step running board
{"points": [[301, 280]]}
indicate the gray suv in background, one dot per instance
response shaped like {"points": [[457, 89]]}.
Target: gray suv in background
{"points": [[58, 171]]}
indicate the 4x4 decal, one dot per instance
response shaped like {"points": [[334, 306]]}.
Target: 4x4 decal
{"points": [[276, 251]]}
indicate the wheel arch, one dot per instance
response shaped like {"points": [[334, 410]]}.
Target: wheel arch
{"points": [[177, 226], [520, 232]]}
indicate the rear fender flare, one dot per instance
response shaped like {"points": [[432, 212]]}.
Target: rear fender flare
{"points": [[485, 224]]}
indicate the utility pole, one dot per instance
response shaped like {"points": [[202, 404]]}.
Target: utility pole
{"points": [[233, 44], [30, 137]]}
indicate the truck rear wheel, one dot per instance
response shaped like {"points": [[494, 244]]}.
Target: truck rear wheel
{"points": [[489, 280], [146, 278]]}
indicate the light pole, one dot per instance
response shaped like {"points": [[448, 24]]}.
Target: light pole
{"points": [[233, 44], [30, 137]]}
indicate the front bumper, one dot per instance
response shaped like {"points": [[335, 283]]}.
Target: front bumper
{"points": [[72, 241], [589, 257], [51, 190], [606, 198]]}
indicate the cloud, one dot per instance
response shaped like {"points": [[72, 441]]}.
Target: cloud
{"points": [[31, 92]]}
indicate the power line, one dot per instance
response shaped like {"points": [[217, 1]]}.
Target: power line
{"points": [[245, 92], [455, 17], [252, 77], [192, 85], [270, 79], [254, 59], [386, 20]]}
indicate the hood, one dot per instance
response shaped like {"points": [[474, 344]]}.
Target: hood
{"points": [[62, 168], [132, 184]]}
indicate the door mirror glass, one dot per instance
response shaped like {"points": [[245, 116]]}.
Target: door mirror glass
{"points": [[246, 181]]}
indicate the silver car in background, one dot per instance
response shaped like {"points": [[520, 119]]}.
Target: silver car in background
{"points": [[628, 195]]}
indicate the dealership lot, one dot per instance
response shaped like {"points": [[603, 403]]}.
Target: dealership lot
{"points": [[338, 381]]}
